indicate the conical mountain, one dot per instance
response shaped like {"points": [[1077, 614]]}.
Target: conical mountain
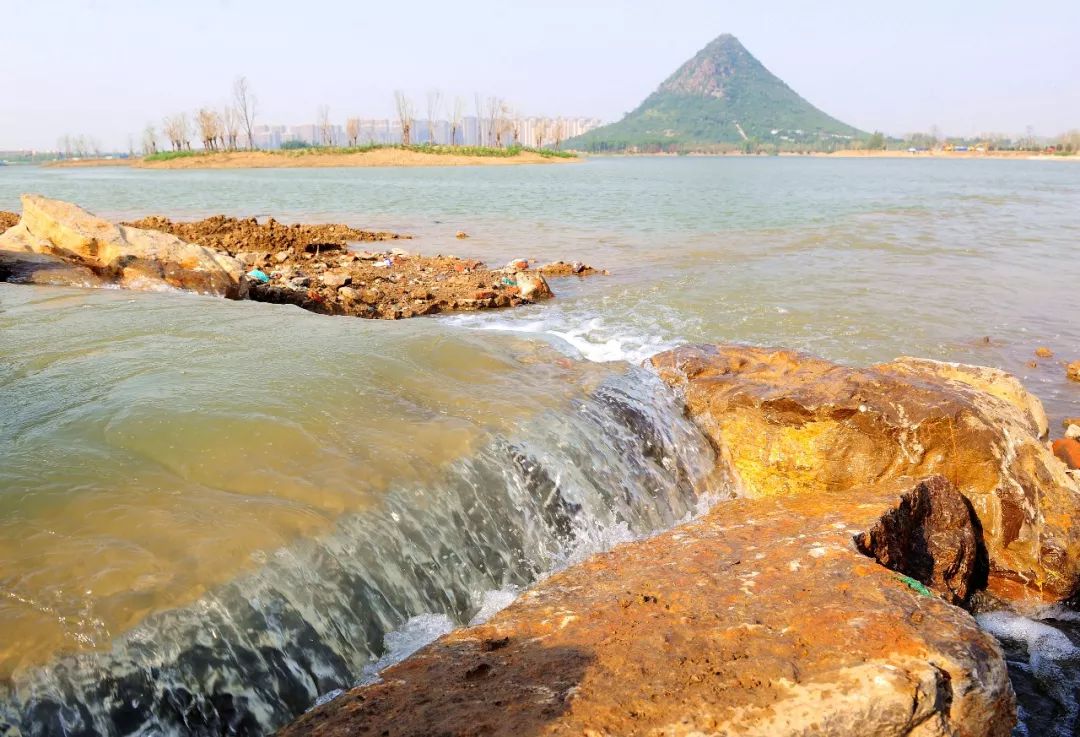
{"points": [[723, 97]]}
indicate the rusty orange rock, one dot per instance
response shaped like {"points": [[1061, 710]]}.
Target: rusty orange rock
{"points": [[762, 618], [1043, 352], [1068, 450]]}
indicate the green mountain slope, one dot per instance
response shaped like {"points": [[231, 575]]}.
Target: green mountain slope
{"points": [[723, 97]]}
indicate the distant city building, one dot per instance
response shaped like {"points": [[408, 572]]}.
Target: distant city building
{"points": [[532, 131]]}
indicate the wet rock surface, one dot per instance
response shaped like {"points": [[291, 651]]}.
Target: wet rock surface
{"points": [[761, 618], [787, 424], [56, 242], [574, 268]]}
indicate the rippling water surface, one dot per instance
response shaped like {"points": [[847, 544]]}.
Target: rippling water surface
{"points": [[211, 513]]}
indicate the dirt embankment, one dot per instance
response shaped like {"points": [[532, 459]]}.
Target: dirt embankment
{"points": [[375, 157], [8, 219], [237, 235]]}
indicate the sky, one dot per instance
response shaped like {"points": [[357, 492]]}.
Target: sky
{"points": [[107, 68]]}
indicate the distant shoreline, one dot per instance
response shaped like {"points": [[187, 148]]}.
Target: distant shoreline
{"points": [[379, 157], [850, 154]]}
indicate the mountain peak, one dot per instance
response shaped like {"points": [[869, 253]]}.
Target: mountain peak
{"points": [[706, 73], [723, 96]]}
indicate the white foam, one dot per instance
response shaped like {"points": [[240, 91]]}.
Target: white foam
{"points": [[417, 632], [493, 602], [590, 339], [1041, 639]]}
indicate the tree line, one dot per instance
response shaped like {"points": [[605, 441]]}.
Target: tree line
{"points": [[232, 126]]}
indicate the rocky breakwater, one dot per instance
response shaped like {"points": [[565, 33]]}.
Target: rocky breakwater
{"points": [[877, 505], [58, 243], [315, 267]]}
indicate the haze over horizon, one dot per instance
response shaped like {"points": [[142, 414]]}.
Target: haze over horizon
{"points": [[105, 68]]}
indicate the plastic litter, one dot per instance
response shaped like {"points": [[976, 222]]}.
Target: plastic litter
{"points": [[258, 276], [914, 585], [385, 263], [508, 281]]}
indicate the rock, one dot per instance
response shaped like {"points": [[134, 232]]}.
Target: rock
{"points": [[1043, 352], [484, 294], [1073, 431], [1068, 450], [533, 286], [1070, 421], [562, 268], [335, 279], [930, 535], [348, 294], [131, 257], [281, 257], [1073, 371], [399, 253], [519, 264], [300, 282], [25, 267], [461, 235], [759, 619], [787, 424]]}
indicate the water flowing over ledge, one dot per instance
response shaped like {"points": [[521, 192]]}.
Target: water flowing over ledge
{"points": [[260, 650]]}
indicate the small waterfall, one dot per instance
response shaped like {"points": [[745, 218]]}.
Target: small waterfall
{"points": [[622, 463]]}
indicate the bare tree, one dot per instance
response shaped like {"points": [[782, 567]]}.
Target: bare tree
{"points": [[456, 114], [540, 131], [515, 127], [494, 106], [557, 131], [149, 140], [326, 130], [230, 127], [210, 126], [434, 97], [479, 119], [405, 116], [246, 107], [65, 146], [175, 128], [352, 130]]}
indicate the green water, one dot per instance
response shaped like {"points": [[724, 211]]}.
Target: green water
{"points": [[168, 454]]}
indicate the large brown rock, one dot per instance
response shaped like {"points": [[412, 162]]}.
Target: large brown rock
{"points": [[131, 257], [787, 424], [761, 618]]}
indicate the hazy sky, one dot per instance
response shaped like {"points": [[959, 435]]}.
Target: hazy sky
{"points": [[105, 68]]}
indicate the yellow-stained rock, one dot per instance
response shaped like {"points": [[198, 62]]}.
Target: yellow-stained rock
{"points": [[787, 424], [130, 257]]}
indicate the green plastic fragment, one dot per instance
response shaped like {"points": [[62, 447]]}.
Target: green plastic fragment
{"points": [[914, 585]]}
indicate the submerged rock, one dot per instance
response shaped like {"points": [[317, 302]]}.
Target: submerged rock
{"points": [[562, 268], [761, 618], [129, 257], [1073, 371], [788, 424]]}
